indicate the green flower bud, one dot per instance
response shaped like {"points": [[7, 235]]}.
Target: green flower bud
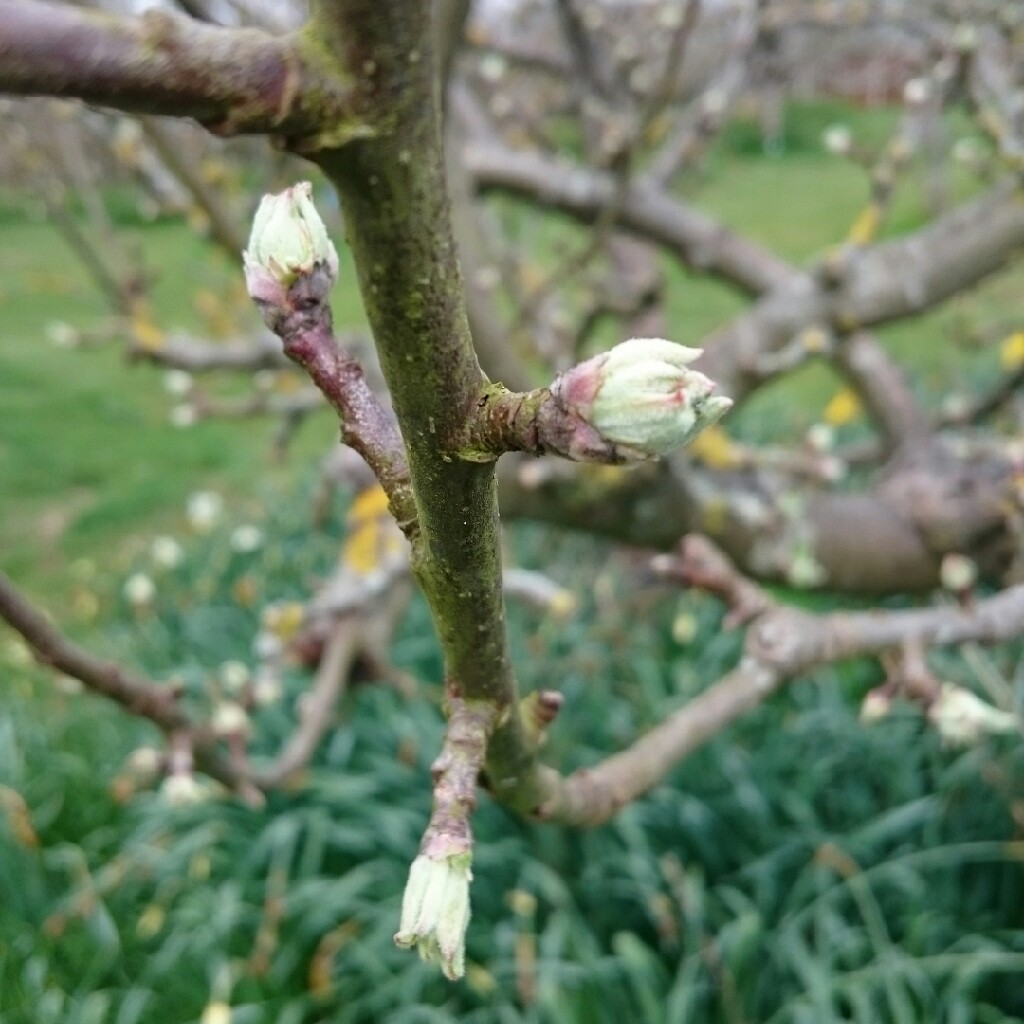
{"points": [[288, 241], [642, 397], [435, 911]]}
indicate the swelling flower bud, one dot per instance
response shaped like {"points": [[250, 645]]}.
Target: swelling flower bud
{"points": [[435, 911], [961, 718], [958, 573], [838, 139], [641, 397], [288, 241]]}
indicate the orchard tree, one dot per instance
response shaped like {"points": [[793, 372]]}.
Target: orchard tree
{"points": [[413, 121]]}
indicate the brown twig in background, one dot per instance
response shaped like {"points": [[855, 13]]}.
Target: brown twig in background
{"points": [[159, 704]]}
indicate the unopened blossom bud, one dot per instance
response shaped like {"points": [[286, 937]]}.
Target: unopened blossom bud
{"points": [[961, 718], [641, 397], [140, 590], [838, 139], [876, 705], [203, 510], [965, 37], [233, 676], [167, 553], [145, 762], [181, 789], [288, 241], [246, 538], [435, 910], [821, 437], [178, 382], [230, 719], [267, 689], [917, 91], [183, 416], [62, 334], [958, 573]]}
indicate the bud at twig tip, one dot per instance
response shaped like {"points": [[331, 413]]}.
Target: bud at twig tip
{"points": [[641, 397], [288, 241], [435, 910]]}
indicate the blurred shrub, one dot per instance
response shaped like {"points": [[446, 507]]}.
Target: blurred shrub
{"points": [[800, 868]]}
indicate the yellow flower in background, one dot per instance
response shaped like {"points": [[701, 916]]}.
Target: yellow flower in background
{"points": [[373, 538], [843, 408], [715, 448], [283, 618], [217, 316], [145, 332], [865, 228], [150, 921], [1011, 352]]}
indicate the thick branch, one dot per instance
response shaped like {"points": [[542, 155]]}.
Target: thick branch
{"points": [[230, 80], [880, 284], [888, 540], [792, 641], [393, 193]]}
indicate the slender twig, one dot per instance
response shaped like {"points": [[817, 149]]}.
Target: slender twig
{"points": [[304, 324], [782, 645], [136, 693], [317, 707]]}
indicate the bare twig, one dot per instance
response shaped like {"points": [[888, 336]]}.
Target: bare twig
{"points": [[782, 645], [316, 709], [137, 694]]}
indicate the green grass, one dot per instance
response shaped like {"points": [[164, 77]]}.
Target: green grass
{"points": [[799, 868]]}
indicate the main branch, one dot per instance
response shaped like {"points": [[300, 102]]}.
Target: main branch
{"points": [[230, 80], [393, 192]]}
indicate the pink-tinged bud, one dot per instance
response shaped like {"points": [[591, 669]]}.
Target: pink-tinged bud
{"points": [[641, 397], [288, 241]]}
